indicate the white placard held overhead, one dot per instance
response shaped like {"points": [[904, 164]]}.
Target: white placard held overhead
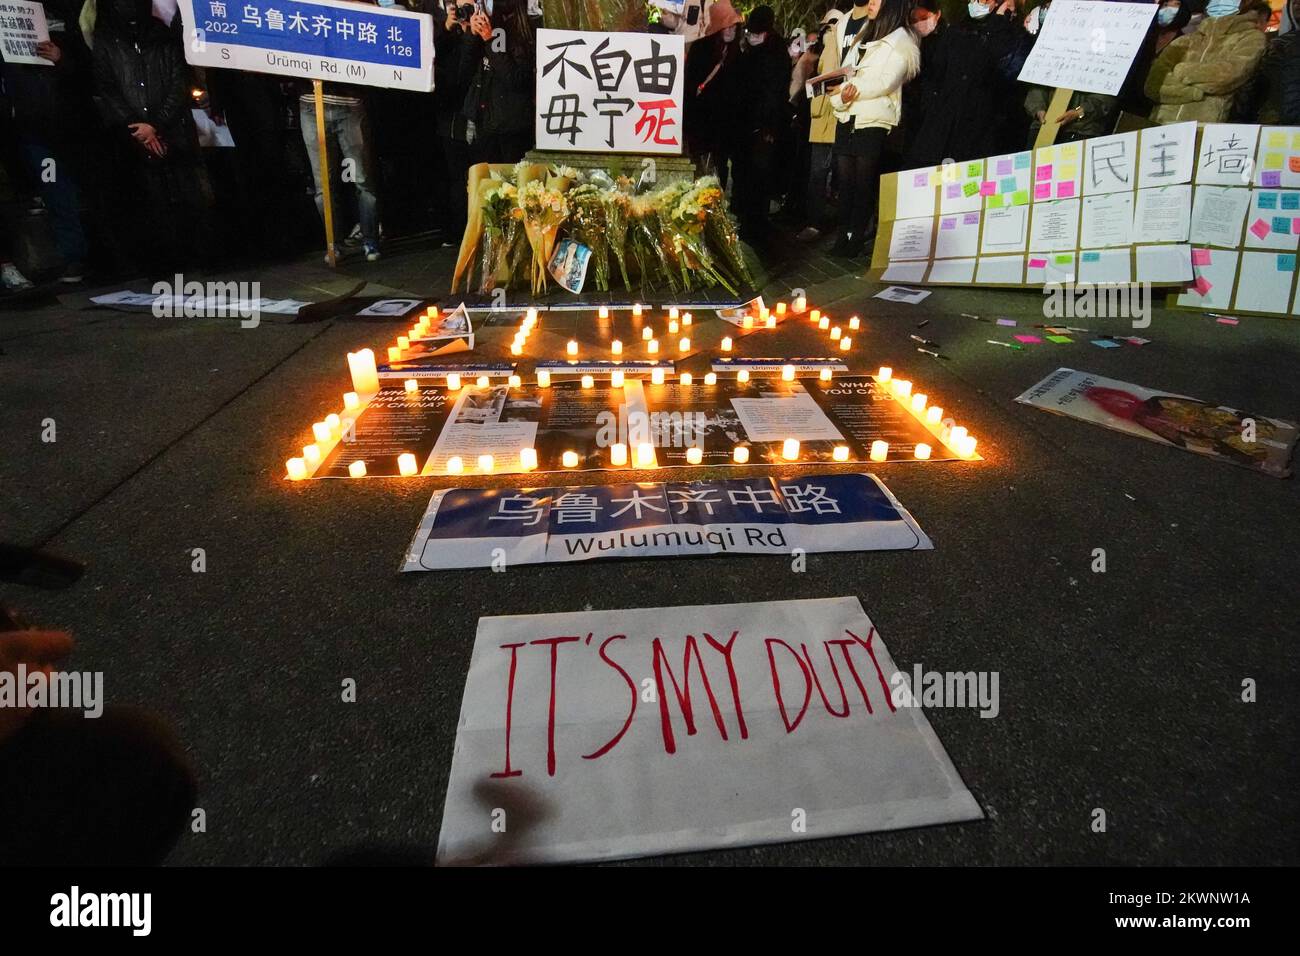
{"points": [[1088, 45], [610, 92], [22, 26]]}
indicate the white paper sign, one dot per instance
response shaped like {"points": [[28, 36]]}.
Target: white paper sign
{"points": [[760, 708], [610, 92], [1088, 45], [22, 26]]}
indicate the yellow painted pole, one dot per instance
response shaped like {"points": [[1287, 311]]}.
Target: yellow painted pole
{"points": [[326, 173], [1059, 104]]}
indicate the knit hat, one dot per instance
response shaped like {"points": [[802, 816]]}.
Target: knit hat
{"points": [[761, 20]]}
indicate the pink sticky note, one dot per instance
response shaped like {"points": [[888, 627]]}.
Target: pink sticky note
{"points": [[1065, 190], [1043, 191], [1202, 285], [1222, 321], [949, 223], [988, 188], [1260, 228], [1200, 257], [1038, 263], [1029, 339], [1295, 226], [1044, 172]]}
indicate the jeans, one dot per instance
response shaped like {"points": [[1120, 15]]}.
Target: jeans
{"points": [[347, 131], [52, 169]]}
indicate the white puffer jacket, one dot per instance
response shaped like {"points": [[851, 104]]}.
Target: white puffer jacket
{"points": [[881, 67]]}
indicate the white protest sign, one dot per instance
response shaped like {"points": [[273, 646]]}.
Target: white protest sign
{"points": [[610, 92], [325, 40], [1088, 45], [22, 26], [610, 734]]}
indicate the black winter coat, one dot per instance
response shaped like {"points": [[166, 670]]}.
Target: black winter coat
{"points": [[763, 81], [143, 79], [500, 90]]}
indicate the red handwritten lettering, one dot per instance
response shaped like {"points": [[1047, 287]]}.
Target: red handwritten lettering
{"points": [[776, 683]]}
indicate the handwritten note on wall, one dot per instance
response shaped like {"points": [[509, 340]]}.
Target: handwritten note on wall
{"points": [[1088, 45]]}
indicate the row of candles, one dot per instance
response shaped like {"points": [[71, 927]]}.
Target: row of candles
{"points": [[954, 436]]}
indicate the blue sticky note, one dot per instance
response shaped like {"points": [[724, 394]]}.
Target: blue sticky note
{"points": [[1268, 200], [1282, 224], [1286, 263], [1092, 257], [1008, 185], [1291, 200], [1105, 344], [1022, 161]]}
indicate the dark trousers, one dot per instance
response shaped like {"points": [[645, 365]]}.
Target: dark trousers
{"points": [[501, 147], [819, 212], [857, 163], [74, 791], [455, 159], [753, 186]]}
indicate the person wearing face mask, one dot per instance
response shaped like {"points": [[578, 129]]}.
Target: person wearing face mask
{"points": [[819, 214], [1197, 75], [764, 110], [143, 96], [929, 25], [964, 94], [712, 90], [878, 47]]}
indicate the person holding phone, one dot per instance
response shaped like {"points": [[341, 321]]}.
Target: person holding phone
{"points": [[499, 103]]}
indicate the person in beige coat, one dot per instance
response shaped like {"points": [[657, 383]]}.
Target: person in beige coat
{"points": [[1196, 75], [821, 136]]}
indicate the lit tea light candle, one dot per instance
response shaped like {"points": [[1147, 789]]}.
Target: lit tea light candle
{"points": [[357, 469], [528, 458], [764, 312], [748, 322], [902, 388], [824, 375], [616, 347], [569, 459], [711, 378], [482, 381], [603, 312], [321, 432], [455, 465], [652, 346], [726, 343], [855, 323], [685, 378], [486, 462], [956, 436], [406, 464], [770, 321], [516, 348], [636, 310], [684, 345], [884, 373], [846, 343], [543, 378], [790, 449], [296, 469], [403, 342], [311, 454], [879, 450], [572, 347], [672, 312], [687, 319], [922, 451], [411, 385], [966, 447], [815, 315], [787, 373], [618, 454], [800, 304], [657, 376], [835, 333], [934, 415], [673, 326], [694, 455], [647, 333], [365, 378], [334, 424], [616, 378], [394, 353], [645, 455], [918, 402], [740, 454], [514, 381], [351, 401], [823, 323], [780, 308], [453, 381], [531, 315], [840, 453], [742, 375], [588, 381], [431, 311]]}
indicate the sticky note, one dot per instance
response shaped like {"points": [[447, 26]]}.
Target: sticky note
{"points": [[971, 219], [1020, 197], [921, 180], [995, 202], [1064, 258], [1266, 200], [1295, 226], [1277, 139], [1260, 228], [1295, 140], [1294, 164], [1060, 339], [1028, 339], [1282, 224], [1270, 178], [1037, 264], [1023, 160], [1004, 167], [1092, 257], [1224, 320], [975, 170], [1065, 190], [1290, 200], [1009, 321], [1053, 330], [1272, 160], [949, 172], [1043, 191], [949, 223], [970, 189], [1070, 151], [1045, 155], [1008, 185], [1202, 285], [1135, 340], [1200, 257], [1286, 263], [1043, 172], [1067, 172], [988, 188], [954, 191], [1105, 344]]}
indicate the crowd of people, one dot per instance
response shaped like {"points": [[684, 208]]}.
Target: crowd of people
{"points": [[125, 149]]}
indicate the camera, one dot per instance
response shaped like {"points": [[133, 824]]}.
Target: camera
{"points": [[464, 11]]}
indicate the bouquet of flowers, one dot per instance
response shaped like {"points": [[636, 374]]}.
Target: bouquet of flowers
{"points": [[502, 224], [544, 209], [617, 206], [720, 231], [688, 219], [645, 243], [587, 226]]}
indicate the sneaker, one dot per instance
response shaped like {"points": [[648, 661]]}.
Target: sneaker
{"points": [[12, 279], [354, 237], [73, 273], [372, 251]]}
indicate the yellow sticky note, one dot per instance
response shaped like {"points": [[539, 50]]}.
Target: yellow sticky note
{"points": [[1272, 160], [1295, 140], [1277, 140], [995, 201], [1066, 174], [950, 172], [1070, 151], [1044, 155]]}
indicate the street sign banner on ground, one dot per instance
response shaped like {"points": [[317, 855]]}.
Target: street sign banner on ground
{"points": [[602, 735], [490, 527], [1237, 437], [313, 40]]}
